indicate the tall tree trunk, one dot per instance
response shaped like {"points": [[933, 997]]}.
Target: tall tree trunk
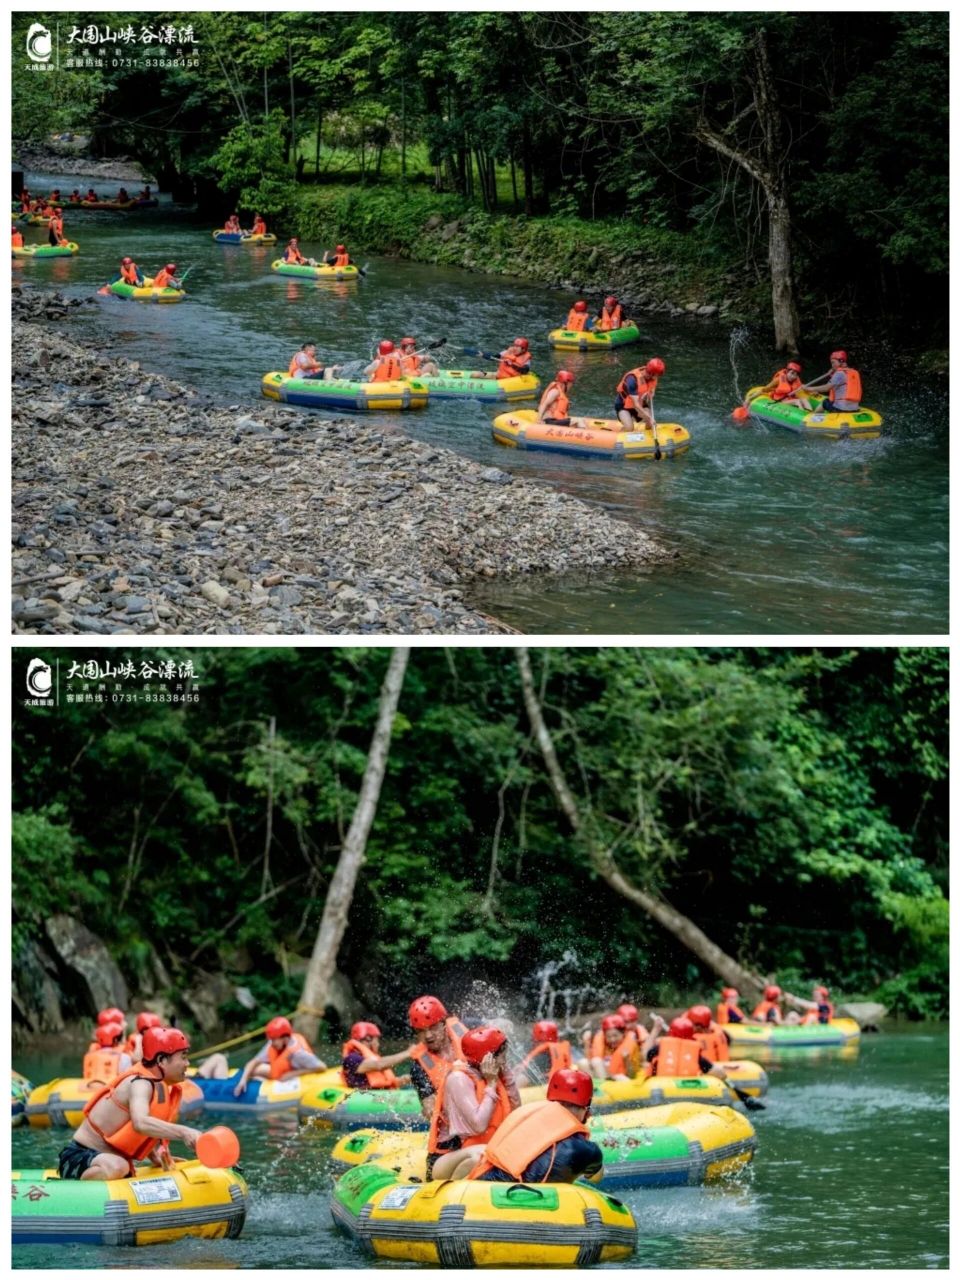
{"points": [[682, 928], [336, 909], [527, 159], [268, 824]]}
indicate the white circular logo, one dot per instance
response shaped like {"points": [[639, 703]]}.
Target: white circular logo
{"points": [[39, 678], [39, 43]]}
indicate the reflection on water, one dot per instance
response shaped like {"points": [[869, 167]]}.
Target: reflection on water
{"points": [[773, 533]]}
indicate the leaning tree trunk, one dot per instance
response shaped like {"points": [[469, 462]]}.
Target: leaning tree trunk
{"points": [[682, 928], [336, 909]]}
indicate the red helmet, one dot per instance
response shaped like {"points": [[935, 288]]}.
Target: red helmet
{"points": [[341, 248], [821, 991], [110, 1015], [795, 366], [629, 1012], [771, 992], [613, 1022], [700, 1015], [146, 1019], [126, 261], [655, 367], [580, 306], [610, 301], [171, 266], [385, 347], [58, 210], [408, 342], [522, 343], [162, 1040], [480, 1041], [545, 1031], [426, 1011], [730, 993], [565, 376], [839, 355], [567, 1085], [361, 1030], [108, 1034], [278, 1027], [682, 1028]]}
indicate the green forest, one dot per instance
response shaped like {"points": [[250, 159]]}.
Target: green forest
{"points": [[790, 804], [801, 155]]}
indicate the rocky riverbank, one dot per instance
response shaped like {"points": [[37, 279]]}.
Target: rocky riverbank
{"points": [[144, 506], [41, 160]]}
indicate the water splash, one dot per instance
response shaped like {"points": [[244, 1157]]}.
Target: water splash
{"points": [[739, 339]]}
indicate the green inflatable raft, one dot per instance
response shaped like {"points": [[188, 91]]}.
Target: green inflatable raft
{"points": [[592, 339], [466, 384], [305, 272], [146, 293], [340, 393], [857, 424], [47, 250]]}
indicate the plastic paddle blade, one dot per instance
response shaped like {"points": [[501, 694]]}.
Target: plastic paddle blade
{"points": [[740, 414]]}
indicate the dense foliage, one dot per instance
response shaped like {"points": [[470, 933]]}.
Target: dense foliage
{"points": [[792, 803], [647, 117]]}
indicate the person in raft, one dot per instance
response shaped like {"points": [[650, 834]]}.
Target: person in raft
{"points": [[549, 1054], [679, 1054], [134, 1042], [579, 318], [361, 1065], [842, 384], [55, 230], [515, 360], [711, 1037], [292, 253], [635, 392], [438, 1037], [259, 227], [17, 237], [130, 273], [338, 258], [610, 1049], [475, 1096], [109, 1059], [785, 387], [232, 225], [285, 1055], [728, 1009], [818, 1011], [106, 1016], [91, 195], [135, 1116], [413, 363], [554, 406], [386, 367], [545, 1141], [635, 1036], [611, 315], [121, 197], [166, 277], [144, 194], [305, 365], [74, 197], [768, 1009]]}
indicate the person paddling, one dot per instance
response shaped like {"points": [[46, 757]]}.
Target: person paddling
{"points": [[635, 392], [412, 361], [843, 386], [362, 1065], [515, 360], [785, 387], [166, 277]]}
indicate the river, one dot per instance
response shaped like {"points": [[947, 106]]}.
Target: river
{"points": [[851, 1171], [775, 533]]}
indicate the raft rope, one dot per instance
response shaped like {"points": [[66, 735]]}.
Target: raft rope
{"points": [[257, 1031]]}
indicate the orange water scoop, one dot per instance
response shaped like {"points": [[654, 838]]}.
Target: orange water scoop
{"points": [[740, 413], [218, 1148]]}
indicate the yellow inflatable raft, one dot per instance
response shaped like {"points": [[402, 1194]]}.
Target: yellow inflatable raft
{"points": [[262, 1096], [343, 394], [482, 1224], [600, 438], [47, 250], [154, 1207], [747, 1037], [676, 1145], [59, 1103], [855, 424], [593, 339]]}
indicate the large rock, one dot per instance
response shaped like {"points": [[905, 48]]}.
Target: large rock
{"points": [[204, 998], [88, 963], [36, 996]]}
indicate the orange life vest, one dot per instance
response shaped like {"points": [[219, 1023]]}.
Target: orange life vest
{"points": [[500, 1111], [723, 1012], [129, 274], [231, 226], [101, 1064], [561, 406], [259, 227], [526, 1134], [56, 226], [576, 321], [646, 386], [557, 1051], [610, 319], [340, 260], [293, 255], [388, 369], [375, 1079], [164, 1105], [784, 387], [280, 1061], [17, 240], [812, 1018], [714, 1045], [854, 387], [163, 279], [675, 1057], [296, 370], [411, 363], [505, 370], [763, 1008], [618, 1059], [435, 1065]]}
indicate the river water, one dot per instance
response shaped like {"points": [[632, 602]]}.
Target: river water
{"points": [[775, 533], [851, 1171]]}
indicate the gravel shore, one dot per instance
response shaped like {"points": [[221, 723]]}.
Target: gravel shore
{"points": [[144, 506]]}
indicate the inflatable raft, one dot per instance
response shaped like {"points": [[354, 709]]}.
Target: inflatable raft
{"points": [[482, 1224], [340, 393], [676, 1145], [47, 250], [260, 1096], [745, 1037], [59, 1103], [462, 384], [20, 1088], [602, 438], [338, 1107], [857, 424], [592, 339], [314, 273], [242, 237], [33, 220], [112, 206], [147, 293], [154, 1207]]}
